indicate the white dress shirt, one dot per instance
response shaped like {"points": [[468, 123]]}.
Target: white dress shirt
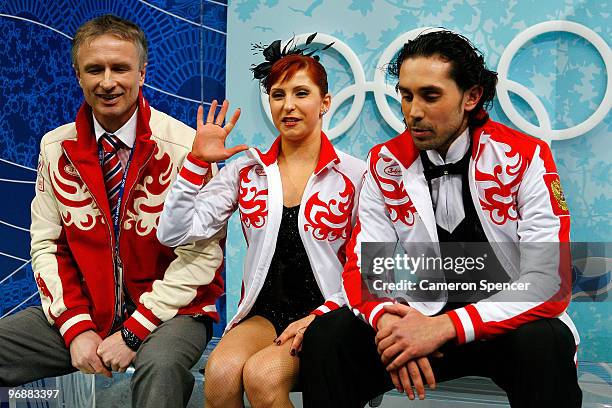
{"points": [[126, 134], [446, 190]]}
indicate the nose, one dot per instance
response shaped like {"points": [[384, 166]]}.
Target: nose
{"points": [[415, 111], [108, 82], [289, 104]]}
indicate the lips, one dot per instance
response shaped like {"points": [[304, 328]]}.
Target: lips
{"points": [[108, 98], [290, 121], [420, 133]]}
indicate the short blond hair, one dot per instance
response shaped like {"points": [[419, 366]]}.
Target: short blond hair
{"points": [[113, 25]]}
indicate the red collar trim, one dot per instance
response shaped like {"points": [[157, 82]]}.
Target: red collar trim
{"points": [[271, 155], [403, 148], [327, 154], [84, 122]]}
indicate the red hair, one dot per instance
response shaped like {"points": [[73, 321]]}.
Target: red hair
{"points": [[288, 66]]}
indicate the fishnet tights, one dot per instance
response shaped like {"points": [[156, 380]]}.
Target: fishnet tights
{"points": [[246, 360]]}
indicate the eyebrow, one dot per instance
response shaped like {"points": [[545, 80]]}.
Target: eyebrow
{"points": [[428, 88], [89, 66], [295, 88], [114, 66]]}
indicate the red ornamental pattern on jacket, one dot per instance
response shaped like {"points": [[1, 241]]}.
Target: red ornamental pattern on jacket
{"points": [[329, 219], [148, 197], [77, 206], [499, 183], [251, 201], [44, 290], [388, 175]]}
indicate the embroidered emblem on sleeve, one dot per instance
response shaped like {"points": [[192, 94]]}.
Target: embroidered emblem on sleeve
{"points": [[557, 198]]}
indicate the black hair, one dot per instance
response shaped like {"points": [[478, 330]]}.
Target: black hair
{"points": [[467, 66]]}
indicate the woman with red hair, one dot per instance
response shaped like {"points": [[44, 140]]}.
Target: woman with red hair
{"points": [[297, 205]]}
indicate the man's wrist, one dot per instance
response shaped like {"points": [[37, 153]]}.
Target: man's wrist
{"points": [[448, 330], [384, 319], [130, 339]]}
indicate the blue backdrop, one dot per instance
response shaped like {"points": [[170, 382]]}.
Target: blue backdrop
{"points": [[39, 92]]}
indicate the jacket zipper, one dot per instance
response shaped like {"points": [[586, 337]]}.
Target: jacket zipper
{"points": [[121, 217], [305, 197], [108, 226]]}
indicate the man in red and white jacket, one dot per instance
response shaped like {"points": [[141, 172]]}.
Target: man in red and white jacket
{"points": [[111, 294], [453, 176]]}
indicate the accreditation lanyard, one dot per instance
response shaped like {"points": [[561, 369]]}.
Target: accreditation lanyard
{"points": [[119, 303], [120, 193]]}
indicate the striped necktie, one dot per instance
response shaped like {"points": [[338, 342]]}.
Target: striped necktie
{"points": [[111, 170]]}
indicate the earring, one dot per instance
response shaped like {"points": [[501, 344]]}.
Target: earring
{"points": [[323, 112]]}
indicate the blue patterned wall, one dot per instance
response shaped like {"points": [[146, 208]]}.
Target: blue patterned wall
{"points": [[39, 92], [564, 71]]}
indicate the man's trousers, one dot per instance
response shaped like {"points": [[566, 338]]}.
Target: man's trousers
{"points": [[31, 349], [534, 364]]}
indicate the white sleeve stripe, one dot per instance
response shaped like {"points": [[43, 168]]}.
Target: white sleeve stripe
{"points": [[466, 322], [376, 309], [497, 312], [140, 318], [195, 168], [324, 309], [210, 308], [72, 321]]}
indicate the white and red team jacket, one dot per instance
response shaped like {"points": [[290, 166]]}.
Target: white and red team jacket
{"points": [[73, 243], [252, 184], [517, 194]]}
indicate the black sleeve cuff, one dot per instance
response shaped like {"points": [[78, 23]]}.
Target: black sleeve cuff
{"points": [[130, 339]]}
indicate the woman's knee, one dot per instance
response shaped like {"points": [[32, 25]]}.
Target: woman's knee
{"points": [[223, 373], [266, 380]]}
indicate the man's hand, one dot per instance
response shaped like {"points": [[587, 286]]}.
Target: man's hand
{"points": [[115, 353], [386, 320], [83, 354], [409, 375], [412, 337]]}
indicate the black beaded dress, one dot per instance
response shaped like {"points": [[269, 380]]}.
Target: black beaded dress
{"points": [[290, 291]]}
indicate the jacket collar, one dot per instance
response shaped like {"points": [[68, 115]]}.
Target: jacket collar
{"points": [[403, 149], [327, 156], [86, 140], [83, 152]]}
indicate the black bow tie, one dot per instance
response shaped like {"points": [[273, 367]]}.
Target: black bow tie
{"points": [[432, 171]]}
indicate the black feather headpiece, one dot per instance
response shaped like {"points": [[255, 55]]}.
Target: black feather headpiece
{"points": [[273, 53]]}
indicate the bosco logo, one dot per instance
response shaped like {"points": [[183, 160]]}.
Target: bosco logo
{"points": [[260, 171], [393, 170], [70, 170]]}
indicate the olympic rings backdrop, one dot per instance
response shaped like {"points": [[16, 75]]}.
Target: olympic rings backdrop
{"points": [[554, 63], [553, 58]]}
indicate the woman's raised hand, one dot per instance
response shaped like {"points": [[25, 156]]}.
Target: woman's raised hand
{"points": [[209, 142]]}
